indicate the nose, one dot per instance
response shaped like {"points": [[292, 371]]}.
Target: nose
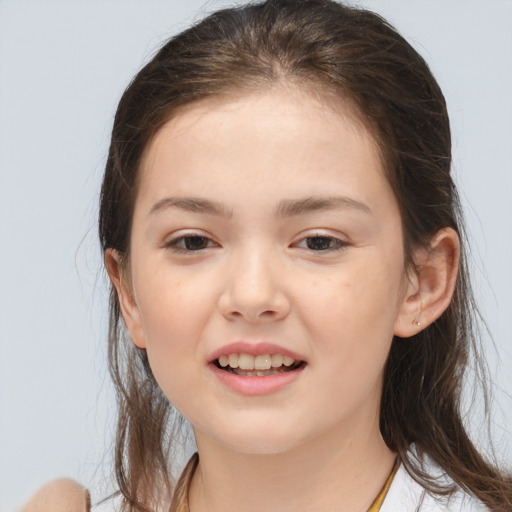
{"points": [[254, 290]]}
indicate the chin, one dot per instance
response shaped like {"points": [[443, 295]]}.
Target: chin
{"points": [[255, 438]]}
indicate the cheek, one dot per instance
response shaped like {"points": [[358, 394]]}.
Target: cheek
{"points": [[171, 302], [353, 332], [352, 320], [359, 300], [173, 312]]}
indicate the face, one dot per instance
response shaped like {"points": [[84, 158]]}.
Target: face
{"points": [[264, 226]]}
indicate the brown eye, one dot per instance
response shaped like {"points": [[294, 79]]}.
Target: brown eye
{"points": [[195, 243], [190, 243], [321, 243]]}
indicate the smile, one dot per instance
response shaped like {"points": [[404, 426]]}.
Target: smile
{"points": [[256, 369], [262, 365]]}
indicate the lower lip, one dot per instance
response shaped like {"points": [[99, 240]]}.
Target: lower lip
{"points": [[256, 386]]}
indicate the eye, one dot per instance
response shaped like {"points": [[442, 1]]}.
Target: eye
{"points": [[190, 243], [321, 243]]}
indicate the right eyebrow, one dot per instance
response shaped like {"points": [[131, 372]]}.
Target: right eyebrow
{"points": [[191, 204]]}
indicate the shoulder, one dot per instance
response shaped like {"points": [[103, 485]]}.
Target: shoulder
{"points": [[407, 495], [62, 495]]}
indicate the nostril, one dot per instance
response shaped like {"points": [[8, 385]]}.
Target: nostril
{"points": [[235, 314]]}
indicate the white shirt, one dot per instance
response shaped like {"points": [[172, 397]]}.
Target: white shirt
{"points": [[406, 495]]}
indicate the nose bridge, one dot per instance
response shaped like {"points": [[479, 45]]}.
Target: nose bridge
{"points": [[253, 272], [255, 286]]}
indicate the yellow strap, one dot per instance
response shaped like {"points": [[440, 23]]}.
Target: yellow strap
{"points": [[379, 500]]}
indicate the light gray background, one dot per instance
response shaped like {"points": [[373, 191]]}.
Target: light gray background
{"points": [[63, 67]]}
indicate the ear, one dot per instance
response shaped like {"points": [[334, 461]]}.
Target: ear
{"points": [[431, 283], [125, 296]]}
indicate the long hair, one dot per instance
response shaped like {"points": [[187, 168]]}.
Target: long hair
{"points": [[356, 55]]}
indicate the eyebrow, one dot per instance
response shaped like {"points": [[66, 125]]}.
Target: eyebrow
{"points": [[191, 204], [292, 207], [286, 208]]}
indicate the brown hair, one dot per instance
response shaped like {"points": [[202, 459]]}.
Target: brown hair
{"points": [[358, 56]]}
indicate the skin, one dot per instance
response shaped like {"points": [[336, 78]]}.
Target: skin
{"points": [[257, 274]]}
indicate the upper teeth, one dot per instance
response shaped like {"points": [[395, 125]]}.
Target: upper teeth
{"points": [[250, 362]]}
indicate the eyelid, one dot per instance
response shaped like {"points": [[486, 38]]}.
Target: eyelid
{"points": [[340, 242], [172, 241]]}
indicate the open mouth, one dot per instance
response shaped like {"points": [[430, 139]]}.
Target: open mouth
{"points": [[265, 365]]}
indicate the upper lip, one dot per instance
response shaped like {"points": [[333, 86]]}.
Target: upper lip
{"points": [[254, 349]]}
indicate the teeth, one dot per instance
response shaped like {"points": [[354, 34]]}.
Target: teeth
{"points": [[277, 360], [246, 362], [255, 373], [258, 363], [288, 361], [263, 362]]}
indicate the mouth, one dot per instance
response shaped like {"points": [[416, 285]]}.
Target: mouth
{"points": [[264, 365]]}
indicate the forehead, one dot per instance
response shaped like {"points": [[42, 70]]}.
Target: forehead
{"points": [[284, 135], [325, 103]]}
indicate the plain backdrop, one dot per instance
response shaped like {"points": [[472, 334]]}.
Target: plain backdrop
{"points": [[63, 67]]}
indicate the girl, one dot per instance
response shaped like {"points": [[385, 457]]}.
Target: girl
{"points": [[286, 254]]}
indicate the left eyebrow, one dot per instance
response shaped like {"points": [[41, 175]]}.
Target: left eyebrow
{"points": [[292, 207]]}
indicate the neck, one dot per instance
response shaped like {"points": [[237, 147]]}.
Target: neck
{"points": [[334, 472]]}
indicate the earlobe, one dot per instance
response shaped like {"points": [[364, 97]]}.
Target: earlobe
{"points": [[127, 303], [432, 284]]}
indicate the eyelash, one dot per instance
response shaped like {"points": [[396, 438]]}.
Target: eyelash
{"points": [[181, 244], [338, 244], [174, 244]]}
